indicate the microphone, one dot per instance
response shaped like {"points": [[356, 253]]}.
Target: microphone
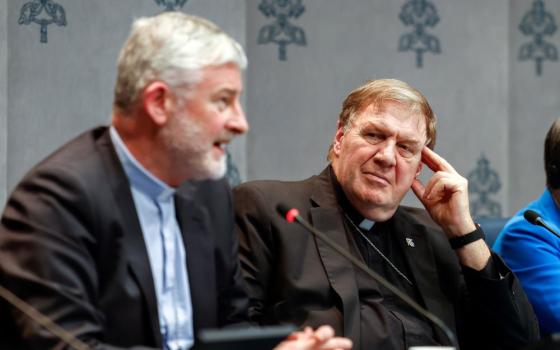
{"points": [[534, 218], [42, 320], [292, 214]]}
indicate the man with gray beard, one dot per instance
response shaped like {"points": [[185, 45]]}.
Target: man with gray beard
{"points": [[124, 236]]}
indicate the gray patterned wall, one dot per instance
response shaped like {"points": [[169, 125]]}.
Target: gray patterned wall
{"points": [[300, 98], [304, 57], [3, 96], [534, 103]]}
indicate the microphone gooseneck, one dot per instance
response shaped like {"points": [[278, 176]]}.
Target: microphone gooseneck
{"points": [[292, 214], [534, 218], [42, 320]]}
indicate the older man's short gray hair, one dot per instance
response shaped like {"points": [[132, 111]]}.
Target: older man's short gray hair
{"points": [[171, 47]]}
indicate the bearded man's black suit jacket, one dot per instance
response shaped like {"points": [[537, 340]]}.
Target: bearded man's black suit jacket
{"points": [[293, 277], [71, 245]]}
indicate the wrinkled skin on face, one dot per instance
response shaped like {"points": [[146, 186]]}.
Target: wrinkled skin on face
{"points": [[377, 157]]}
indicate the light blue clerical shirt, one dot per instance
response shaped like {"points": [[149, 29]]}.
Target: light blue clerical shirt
{"points": [[155, 205]]}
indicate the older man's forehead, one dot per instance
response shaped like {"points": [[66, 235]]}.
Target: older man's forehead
{"points": [[377, 112]]}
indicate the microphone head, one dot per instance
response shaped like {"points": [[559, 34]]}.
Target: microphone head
{"points": [[531, 216], [287, 212]]}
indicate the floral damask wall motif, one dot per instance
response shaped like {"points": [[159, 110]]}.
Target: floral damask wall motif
{"points": [[484, 182], [43, 13], [171, 5], [420, 15], [538, 23], [282, 32]]}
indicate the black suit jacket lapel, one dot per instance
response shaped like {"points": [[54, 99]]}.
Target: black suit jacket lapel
{"points": [[420, 258], [327, 218], [133, 240], [199, 242]]}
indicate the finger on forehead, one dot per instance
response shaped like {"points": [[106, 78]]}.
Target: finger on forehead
{"points": [[434, 161]]}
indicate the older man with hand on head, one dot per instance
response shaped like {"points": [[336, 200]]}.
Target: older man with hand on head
{"points": [[116, 237], [437, 257]]}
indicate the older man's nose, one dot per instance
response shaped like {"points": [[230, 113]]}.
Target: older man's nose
{"points": [[386, 154]]}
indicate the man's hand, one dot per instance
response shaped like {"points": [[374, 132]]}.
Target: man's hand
{"points": [[446, 198], [321, 339]]}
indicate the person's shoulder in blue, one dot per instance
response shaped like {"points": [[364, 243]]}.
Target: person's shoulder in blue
{"points": [[532, 252]]}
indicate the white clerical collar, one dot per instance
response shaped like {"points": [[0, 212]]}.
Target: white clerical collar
{"points": [[366, 224]]}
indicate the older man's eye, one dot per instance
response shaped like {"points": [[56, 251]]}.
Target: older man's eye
{"points": [[406, 150], [372, 137]]}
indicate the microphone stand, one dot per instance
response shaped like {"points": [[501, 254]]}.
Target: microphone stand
{"points": [[293, 214], [534, 218], [42, 320]]}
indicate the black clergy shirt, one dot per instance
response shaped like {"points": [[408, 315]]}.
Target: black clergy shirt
{"points": [[386, 321]]}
